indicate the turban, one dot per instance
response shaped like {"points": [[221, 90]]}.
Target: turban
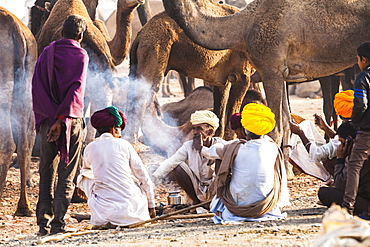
{"points": [[258, 119], [110, 116], [208, 117], [235, 121], [343, 103]]}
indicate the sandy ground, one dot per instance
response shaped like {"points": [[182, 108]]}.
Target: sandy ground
{"points": [[300, 228]]}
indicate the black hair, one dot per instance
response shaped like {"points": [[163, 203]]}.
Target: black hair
{"points": [[103, 129], [251, 135], [253, 96], [346, 129], [364, 50], [73, 26]]}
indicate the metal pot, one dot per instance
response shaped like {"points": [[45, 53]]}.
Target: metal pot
{"points": [[174, 198]]}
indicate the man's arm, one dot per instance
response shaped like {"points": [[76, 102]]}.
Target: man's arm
{"points": [[319, 121], [360, 100], [169, 164], [140, 172]]}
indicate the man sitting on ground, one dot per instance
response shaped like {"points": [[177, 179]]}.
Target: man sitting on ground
{"points": [[192, 171], [251, 182], [326, 153], [115, 180]]}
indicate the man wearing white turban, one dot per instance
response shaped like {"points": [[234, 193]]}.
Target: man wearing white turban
{"points": [[192, 171]]}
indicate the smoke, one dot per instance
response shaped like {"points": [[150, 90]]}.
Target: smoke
{"points": [[142, 117]]}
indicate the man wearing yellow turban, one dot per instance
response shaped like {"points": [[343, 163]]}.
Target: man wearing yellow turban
{"points": [[258, 119], [192, 170], [251, 182]]}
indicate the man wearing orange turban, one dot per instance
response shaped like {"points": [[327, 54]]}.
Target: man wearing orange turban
{"points": [[343, 103], [113, 176]]}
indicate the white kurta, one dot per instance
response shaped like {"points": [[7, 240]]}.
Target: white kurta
{"points": [[252, 179], [311, 162], [116, 182], [200, 166]]}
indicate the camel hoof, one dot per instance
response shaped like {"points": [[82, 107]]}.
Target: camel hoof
{"points": [[23, 212]]}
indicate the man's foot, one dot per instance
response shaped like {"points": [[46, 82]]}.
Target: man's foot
{"points": [[201, 210], [42, 232], [56, 231], [104, 226]]}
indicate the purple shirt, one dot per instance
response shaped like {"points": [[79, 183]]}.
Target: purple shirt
{"points": [[58, 86]]}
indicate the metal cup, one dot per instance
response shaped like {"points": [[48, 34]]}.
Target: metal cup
{"points": [[174, 198]]}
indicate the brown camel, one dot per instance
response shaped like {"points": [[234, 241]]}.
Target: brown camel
{"points": [[178, 113], [286, 40], [19, 53], [104, 53], [161, 46], [153, 7]]}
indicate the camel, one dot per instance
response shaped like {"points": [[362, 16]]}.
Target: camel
{"points": [[178, 113], [153, 7], [161, 45], [19, 54], [285, 40], [104, 53]]}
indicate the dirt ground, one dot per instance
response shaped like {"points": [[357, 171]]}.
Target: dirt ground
{"points": [[300, 228]]}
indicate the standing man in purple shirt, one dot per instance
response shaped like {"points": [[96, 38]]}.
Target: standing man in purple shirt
{"points": [[58, 89]]}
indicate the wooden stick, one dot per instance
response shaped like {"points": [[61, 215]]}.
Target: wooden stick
{"points": [[60, 237], [188, 216], [167, 215]]}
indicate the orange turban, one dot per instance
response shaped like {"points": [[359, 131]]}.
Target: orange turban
{"points": [[343, 103], [258, 119]]}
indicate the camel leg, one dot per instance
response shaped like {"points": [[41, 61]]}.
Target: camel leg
{"points": [[26, 139], [236, 95], [276, 96], [220, 98], [7, 145], [187, 83], [326, 88], [335, 83]]}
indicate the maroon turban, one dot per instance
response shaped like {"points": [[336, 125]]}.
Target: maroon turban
{"points": [[110, 116], [235, 121]]}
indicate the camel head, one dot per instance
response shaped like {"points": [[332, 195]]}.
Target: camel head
{"points": [[38, 15]]}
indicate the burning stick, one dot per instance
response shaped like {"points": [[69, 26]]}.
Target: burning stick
{"points": [[167, 215], [60, 237]]}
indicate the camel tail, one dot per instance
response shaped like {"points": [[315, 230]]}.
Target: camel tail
{"points": [[133, 59]]}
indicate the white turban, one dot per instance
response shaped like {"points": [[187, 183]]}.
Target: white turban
{"points": [[208, 117]]}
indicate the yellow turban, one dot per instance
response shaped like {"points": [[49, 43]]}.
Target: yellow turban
{"points": [[343, 103], [208, 117], [258, 119]]}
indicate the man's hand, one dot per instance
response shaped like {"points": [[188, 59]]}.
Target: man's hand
{"points": [[344, 149], [81, 194], [152, 213], [295, 128], [319, 121], [197, 142], [55, 131]]}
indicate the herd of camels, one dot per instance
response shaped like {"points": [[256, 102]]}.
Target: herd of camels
{"points": [[284, 40]]}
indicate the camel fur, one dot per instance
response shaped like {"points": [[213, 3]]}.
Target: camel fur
{"points": [[161, 45], [19, 54], [285, 40]]}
